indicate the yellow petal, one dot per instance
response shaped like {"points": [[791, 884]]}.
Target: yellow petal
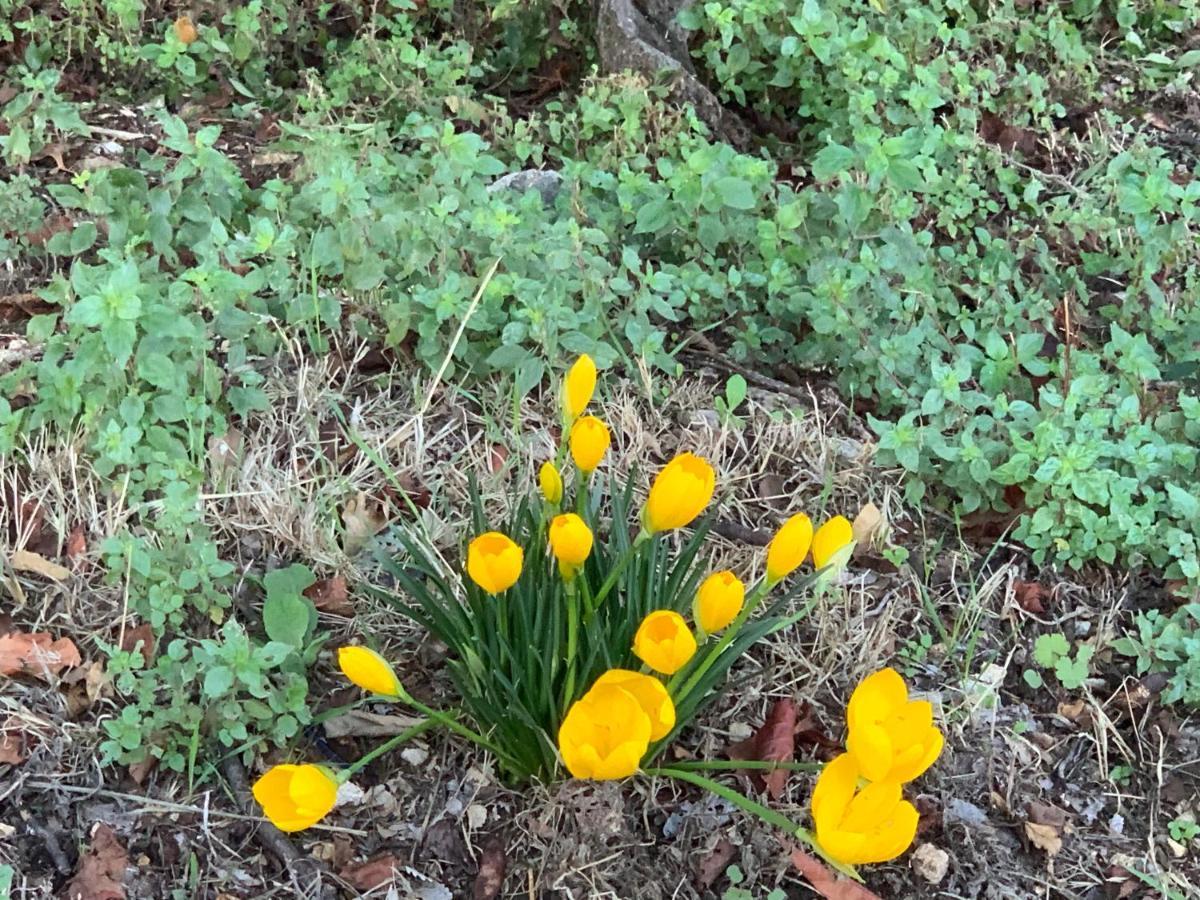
{"points": [[578, 387], [589, 441], [844, 846], [570, 539], [679, 493], [872, 751], [369, 671], [551, 483], [664, 642], [893, 837], [876, 698], [915, 766], [834, 790], [718, 601], [650, 694], [829, 539], [871, 806], [789, 547]]}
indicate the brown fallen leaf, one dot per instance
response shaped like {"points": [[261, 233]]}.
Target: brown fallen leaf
{"points": [[140, 771], [27, 561], [224, 451], [374, 873], [363, 518], [1044, 837], [83, 686], [185, 30], [36, 654], [867, 525], [330, 596], [775, 741], [713, 866], [101, 869], [493, 864], [1029, 596], [360, 723], [140, 638], [76, 546], [497, 458], [12, 742], [826, 883]]}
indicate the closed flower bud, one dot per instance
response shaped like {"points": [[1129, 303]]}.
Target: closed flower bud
{"points": [[664, 642], [369, 671], [890, 737], [570, 542], [718, 601], [650, 694], [789, 547], [494, 562], [296, 797], [589, 443], [679, 493], [857, 827], [578, 387], [605, 734], [830, 540], [551, 483]]}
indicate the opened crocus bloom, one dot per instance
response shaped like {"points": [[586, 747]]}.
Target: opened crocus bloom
{"points": [[571, 542], [891, 737], [830, 540], [789, 547], [855, 826], [650, 694], [578, 387], [664, 642], [369, 671], [494, 562], [296, 797], [605, 734], [589, 443], [679, 493], [718, 601]]}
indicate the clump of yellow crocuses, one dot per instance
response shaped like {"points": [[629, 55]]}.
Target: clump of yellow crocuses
{"points": [[570, 644]]}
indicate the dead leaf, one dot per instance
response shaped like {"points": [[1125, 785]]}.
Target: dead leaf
{"points": [[185, 30], [1029, 596], [774, 742], [493, 864], [140, 771], [497, 457], [273, 158], [867, 525], [1046, 814], [1044, 837], [1007, 137], [330, 596], [810, 732], [36, 654], [714, 865], [76, 546], [360, 723], [101, 869], [374, 873], [140, 638], [363, 518], [12, 742], [825, 883], [26, 561], [83, 688], [225, 451]]}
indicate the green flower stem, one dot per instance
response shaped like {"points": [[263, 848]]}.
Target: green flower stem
{"points": [[752, 602], [721, 765], [754, 808], [611, 581], [452, 723], [572, 640], [390, 744]]}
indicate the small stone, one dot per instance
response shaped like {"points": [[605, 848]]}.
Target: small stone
{"points": [[414, 756], [931, 863], [1117, 824], [476, 816], [349, 794], [546, 182], [962, 812]]}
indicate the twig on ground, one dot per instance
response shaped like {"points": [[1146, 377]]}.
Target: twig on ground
{"points": [[740, 533]]}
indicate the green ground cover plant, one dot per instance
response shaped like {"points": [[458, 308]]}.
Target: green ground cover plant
{"points": [[1000, 271]]}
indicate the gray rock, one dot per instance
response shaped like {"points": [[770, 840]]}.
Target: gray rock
{"points": [[962, 812], [645, 37], [546, 182]]}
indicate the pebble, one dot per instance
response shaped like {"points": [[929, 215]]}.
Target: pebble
{"points": [[931, 863]]}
